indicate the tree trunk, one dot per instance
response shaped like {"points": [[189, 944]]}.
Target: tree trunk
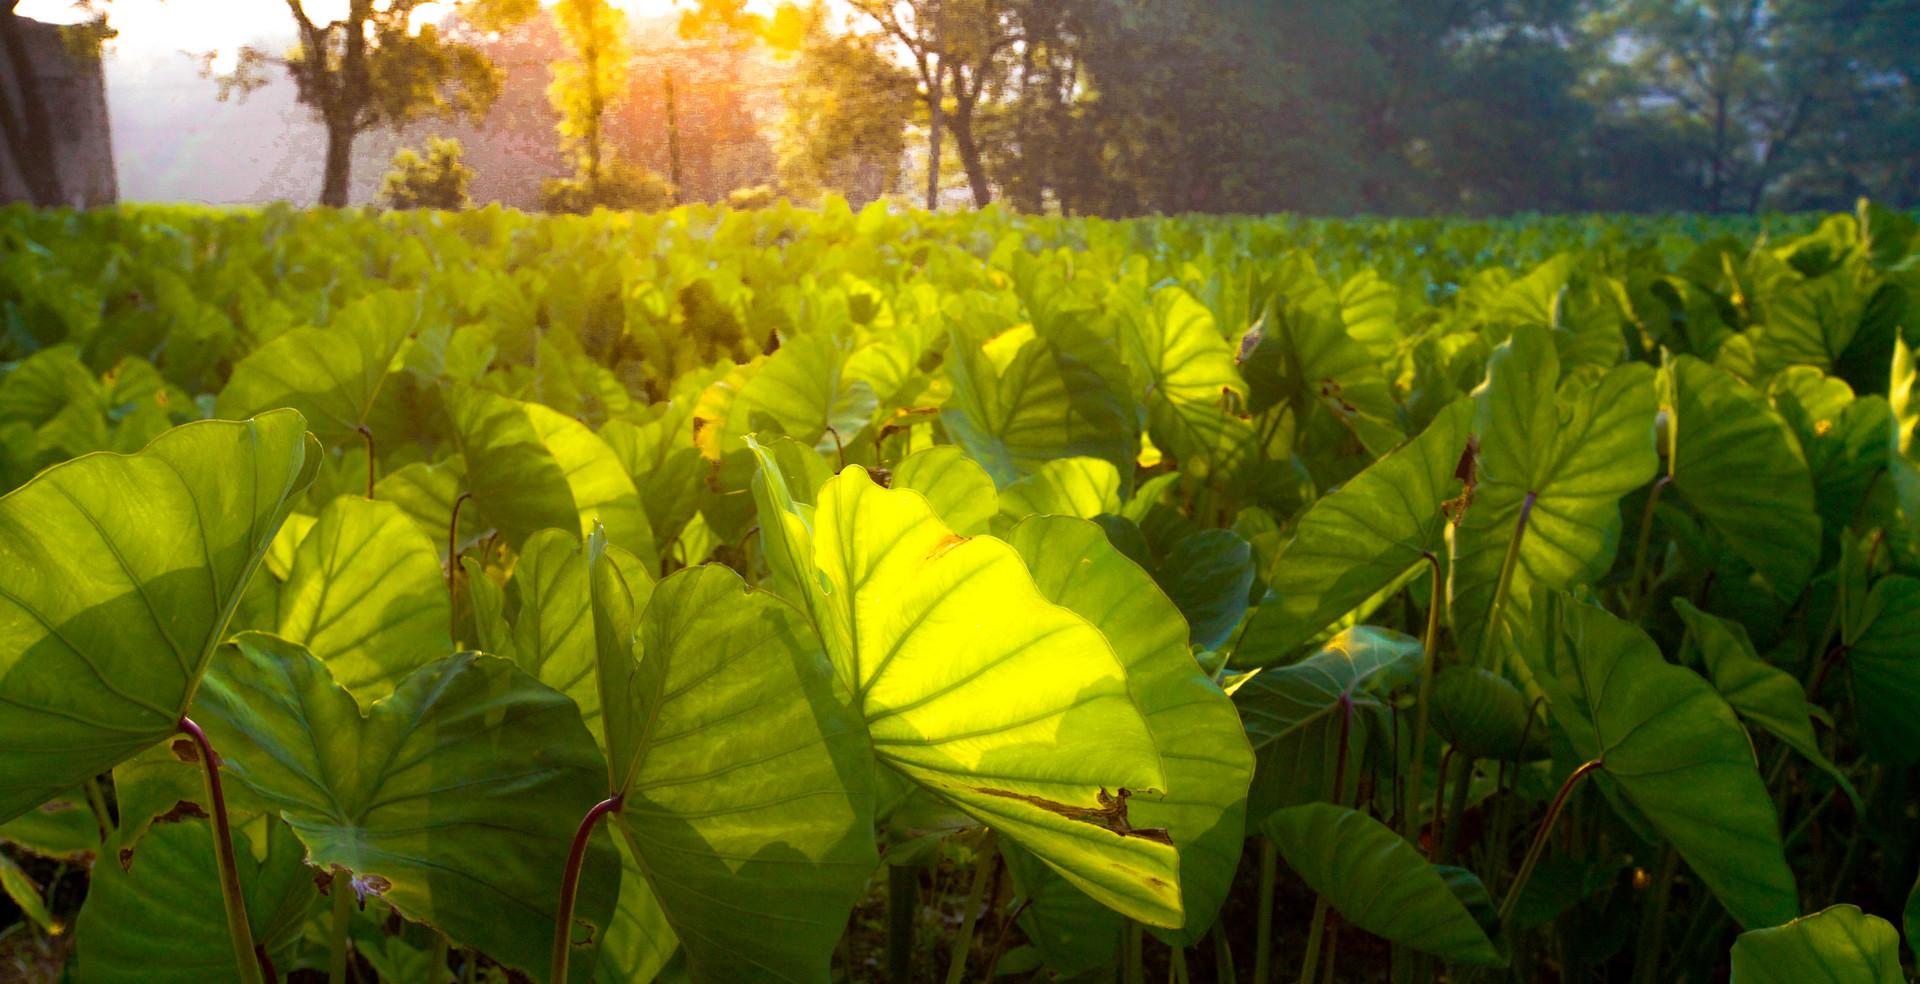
{"points": [[970, 154], [933, 137], [673, 141], [339, 166], [29, 135]]}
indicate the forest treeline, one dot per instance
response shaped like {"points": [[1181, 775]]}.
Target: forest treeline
{"points": [[1120, 107]]}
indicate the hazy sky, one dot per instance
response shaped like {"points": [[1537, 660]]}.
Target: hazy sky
{"points": [[152, 28]]}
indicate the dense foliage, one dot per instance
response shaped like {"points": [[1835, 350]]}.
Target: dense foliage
{"points": [[888, 595]]}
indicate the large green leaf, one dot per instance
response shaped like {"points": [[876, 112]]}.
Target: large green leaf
{"points": [[747, 797], [455, 798], [1761, 692], [1295, 714], [804, 390], [1839, 944], [1672, 747], [366, 594], [160, 919], [1560, 461], [1736, 463], [1882, 657], [530, 468], [959, 491], [1209, 576], [1378, 881], [1302, 355], [1188, 372], [639, 942], [1083, 487], [330, 374], [118, 575], [1193, 724], [973, 685], [1364, 537], [549, 606], [665, 466], [1036, 404]]}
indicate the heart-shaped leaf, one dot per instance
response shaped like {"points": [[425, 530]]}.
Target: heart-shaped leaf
{"points": [[1553, 464], [1736, 463], [366, 595], [1209, 576], [455, 798], [1193, 724], [746, 782], [1037, 404], [1188, 369], [1482, 714], [1882, 657], [330, 374], [1083, 487], [1296, 714], [1761, 692], [118, 575], [161, 918], [973, 685], [1378, 882], [530, 468], [1359, 540], [960, 492], [1672, 747], [1840, 944]]}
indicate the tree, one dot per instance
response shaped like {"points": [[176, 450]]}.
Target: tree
{"points": [[847, 111], [585, 86], [1761, 93], [961, 40], [438, 180], [25, 125], [375, 67]]}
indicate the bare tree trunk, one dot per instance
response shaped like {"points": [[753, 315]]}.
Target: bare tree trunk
{"points": [[339, 166], [970, 154], [29, 135], [673, 141], [933, 135]]}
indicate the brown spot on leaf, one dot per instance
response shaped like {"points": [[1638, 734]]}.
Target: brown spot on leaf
{"points": [[1110, 815], [185, 750], [126, 859], [947, 543], [181, 810]]}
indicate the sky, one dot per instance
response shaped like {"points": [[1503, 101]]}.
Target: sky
{"points": [[151, 29]]}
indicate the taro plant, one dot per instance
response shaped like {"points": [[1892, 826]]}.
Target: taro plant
{"points": [[958, 598]]}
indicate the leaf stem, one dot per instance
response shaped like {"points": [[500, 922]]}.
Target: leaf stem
{"points": [[97, 798], [1133, 964], [570, 885], [1653, 927], [903, 899], [342, 889], [453, 566], [438, 963], [1315, 934], [1539, 844], [1505, 585], [1223, 968], [1644, 541], [1410, 820], [366, 435], [1457, 810], [246, 961], [1263, 931], [976, 894], [1438, 827]]}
